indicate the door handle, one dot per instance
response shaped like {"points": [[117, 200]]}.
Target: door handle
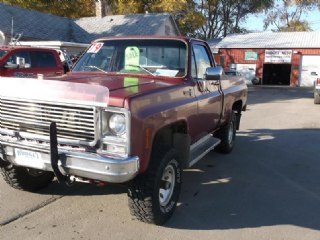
{"points": [[188, 92], [216, 82]]}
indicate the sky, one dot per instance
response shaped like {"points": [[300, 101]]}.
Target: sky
{"points": [[255, 22]]}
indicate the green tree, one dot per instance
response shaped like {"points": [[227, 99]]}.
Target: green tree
{"points": [[64, 8], [286, 15]]}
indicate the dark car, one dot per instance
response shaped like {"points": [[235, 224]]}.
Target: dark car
{"points": [[232, 72]]}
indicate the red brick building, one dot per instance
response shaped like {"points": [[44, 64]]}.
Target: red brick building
{"points": [[276, 58]]}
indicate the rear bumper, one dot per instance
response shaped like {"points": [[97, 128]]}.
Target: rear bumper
{"points": [[81, 164]]}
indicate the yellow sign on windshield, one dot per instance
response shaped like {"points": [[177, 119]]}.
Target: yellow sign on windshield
{"points": [[132, 58]]}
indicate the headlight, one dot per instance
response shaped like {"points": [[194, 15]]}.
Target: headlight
{"points": [[117, 123], [115, 131]]}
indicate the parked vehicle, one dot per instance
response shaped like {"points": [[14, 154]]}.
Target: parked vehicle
{"points": [[133, 110], [248, 78], [68, 51], [232, 72], [29, 62], [317, 91]]}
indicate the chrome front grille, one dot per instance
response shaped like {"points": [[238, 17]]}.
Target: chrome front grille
{"points": [[75, 123]]}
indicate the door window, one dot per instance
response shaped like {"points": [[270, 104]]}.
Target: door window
{"points": [[200, 62], [14, 59], [43, 59]]}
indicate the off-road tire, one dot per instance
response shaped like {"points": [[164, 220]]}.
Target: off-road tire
{"points": [[146, 201], [227, 135], [255, 81], [26, 179], [316, 98]]}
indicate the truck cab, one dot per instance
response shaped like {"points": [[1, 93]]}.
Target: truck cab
{"points": [[29, 62]]}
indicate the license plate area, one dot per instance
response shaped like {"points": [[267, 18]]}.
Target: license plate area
{"points": [[28, 158]]}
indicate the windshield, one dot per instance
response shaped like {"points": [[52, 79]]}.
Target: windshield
{"points": [[2, 52], [138, 56]]}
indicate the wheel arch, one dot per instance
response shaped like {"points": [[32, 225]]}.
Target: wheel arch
{"points": [[172, 135], [237, 106]]}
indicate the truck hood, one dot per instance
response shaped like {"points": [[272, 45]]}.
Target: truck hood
{"points": [[120, 87], [97, 90], [112, 82]]}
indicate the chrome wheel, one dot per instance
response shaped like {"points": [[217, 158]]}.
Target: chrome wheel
{"points": [[153, 196], [167, 184]]}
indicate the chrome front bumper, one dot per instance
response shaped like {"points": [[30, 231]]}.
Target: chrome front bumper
{"points": [[80, 164]]}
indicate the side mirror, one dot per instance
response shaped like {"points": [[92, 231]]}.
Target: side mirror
{"points": [[21, 62], [213, 73]]}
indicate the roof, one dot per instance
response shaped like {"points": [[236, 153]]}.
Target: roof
{"points": [[181, 38], [9, 48], [52, 44], [120, 25], [214, 41], [24, 21], [37, 25], [272, 40]]}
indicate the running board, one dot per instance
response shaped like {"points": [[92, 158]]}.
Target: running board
{"points": [[199, 149]]}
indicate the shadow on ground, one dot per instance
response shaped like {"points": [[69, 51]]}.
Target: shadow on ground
{"points": [[82, 189], [271, 178], [264, 94]]}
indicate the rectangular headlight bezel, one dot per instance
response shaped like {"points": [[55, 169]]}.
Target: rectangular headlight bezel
{"points": [[109, 138]]}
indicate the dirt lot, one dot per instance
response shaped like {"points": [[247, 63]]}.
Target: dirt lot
{"points": [[267, 188]]}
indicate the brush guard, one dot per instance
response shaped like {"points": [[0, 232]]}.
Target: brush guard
{"points": [[55, 156]]}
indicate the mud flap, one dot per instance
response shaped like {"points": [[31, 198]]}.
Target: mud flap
{"points": [[238, 117], [181, 143]]}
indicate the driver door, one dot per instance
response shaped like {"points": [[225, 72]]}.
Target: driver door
{"points": [[207, 91]]}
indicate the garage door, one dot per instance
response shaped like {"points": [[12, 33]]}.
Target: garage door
{"points": [[309, 70]]}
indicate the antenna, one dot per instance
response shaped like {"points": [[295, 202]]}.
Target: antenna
{"points": [[15, 39], [11, 29], [2, 38]]}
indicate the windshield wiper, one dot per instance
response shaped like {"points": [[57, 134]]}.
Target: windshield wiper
{"points": [[94, 67], [143, 68]]}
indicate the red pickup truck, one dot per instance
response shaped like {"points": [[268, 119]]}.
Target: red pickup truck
{"points": [[133, 110], [29, 62]]}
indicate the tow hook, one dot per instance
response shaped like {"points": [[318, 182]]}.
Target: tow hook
{"points": [[70, 181], [55, 157]]}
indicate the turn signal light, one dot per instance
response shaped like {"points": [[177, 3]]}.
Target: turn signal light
{"points": [[318, 81]]}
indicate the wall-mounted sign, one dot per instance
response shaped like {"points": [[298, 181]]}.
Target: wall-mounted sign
{"points": [[278, 56], [250, 56]]}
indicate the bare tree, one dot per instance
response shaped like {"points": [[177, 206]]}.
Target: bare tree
{"points": [[225, 16], [286, 15]]}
